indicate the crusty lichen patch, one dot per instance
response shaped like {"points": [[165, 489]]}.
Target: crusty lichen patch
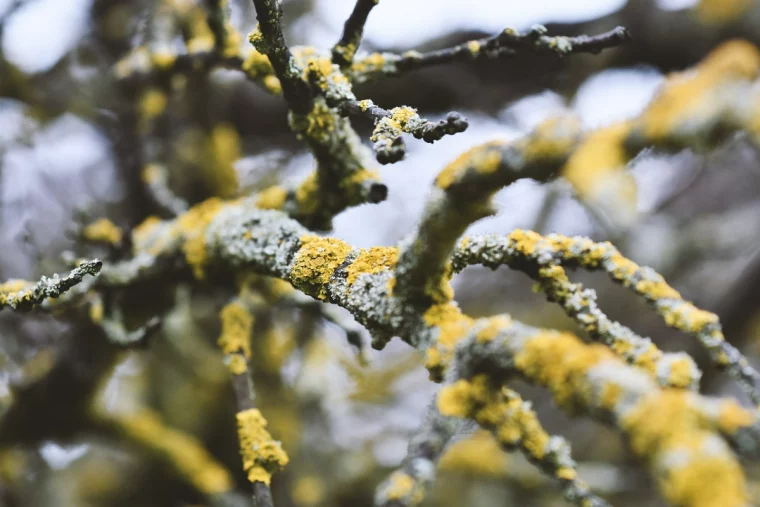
{"points": [[665, 424], [402, 486], [372, 261], [262, 456], [315, 263], [560, 361], [235, 338], [452, 326], [503, 412]]}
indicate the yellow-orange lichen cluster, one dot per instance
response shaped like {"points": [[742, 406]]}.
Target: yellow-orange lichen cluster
{"points": [[262, 456]]}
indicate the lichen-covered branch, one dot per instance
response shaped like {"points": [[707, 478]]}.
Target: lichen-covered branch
{"points": [[390, 125], [547, 254], [530, 253], [23, 295], [685, 113], [461, 196], [677, 432], [261, 455], [506, 43], [407, 486], [515, 425]]}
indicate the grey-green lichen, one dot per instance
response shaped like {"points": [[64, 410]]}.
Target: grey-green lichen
{"points": [[22, 295]]}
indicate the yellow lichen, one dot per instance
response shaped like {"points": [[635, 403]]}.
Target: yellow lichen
{"points": [[525, 241], [258, 67], [648, 359], [144, 235], [237, 324], [184, 451], [690, 94], [372, 261], [256, 37], [553, 139], [611, 394], [401, 486], [681, 373], [222, 151], [656, 290], [237, 364], [272, 197], [307, 194], [596, 167], [163, 60], [103, 231], [664, 422], [560, 361], [456, 399], [512, 422], [688, 318], [315, 263], [324, 73], [479, 454], [318, 124], [14, 290], [96, 311], [272, 84], [14, 285], [733, 416], [495, 325], [261, 455], [374, 62], [483, 159], [192, 226], [452, 326]]}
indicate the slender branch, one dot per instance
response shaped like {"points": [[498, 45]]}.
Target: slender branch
{"points": [[343, 52], [390, 125], [270, 40], [22, 295], [506, 43]]}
